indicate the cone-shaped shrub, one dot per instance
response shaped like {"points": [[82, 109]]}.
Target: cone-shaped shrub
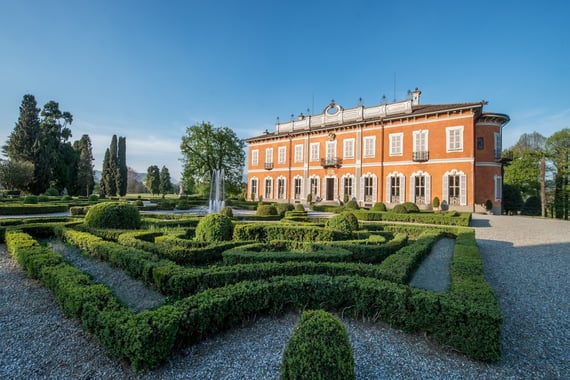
{"points": [[318, 349]]}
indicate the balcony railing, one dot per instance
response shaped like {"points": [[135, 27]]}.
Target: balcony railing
{"points": [[331, 162], [268, 165], [420, 156]]}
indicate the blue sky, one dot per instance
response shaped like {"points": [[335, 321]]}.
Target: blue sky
{"points": [[148, 69]]}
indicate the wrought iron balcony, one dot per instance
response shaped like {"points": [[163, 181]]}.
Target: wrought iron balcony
{"points": [[420, 156], [331, 162], [268, 165]]}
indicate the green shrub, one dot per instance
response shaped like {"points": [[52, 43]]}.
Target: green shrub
{"points": [[93, 198], [339, 222], [488, 205], [282, 208], [351, 205], [139, 203], [399, 209], [299, 207], [52, 191], [379, 207], [214, 227], [411, 207], [352, 219], [318, 349], [266, 210], [113, 215], [66, 198], [532, 206], [183, 204], [435, 202], [227, 211], [43, 198], [30, 200]]}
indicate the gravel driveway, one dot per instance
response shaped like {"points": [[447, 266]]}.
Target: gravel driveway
{"points": [[527, 262]]}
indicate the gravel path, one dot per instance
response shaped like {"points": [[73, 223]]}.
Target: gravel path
{"points": [[527, 261], [437, 262]]}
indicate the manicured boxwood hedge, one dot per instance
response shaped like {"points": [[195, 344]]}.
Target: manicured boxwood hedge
{"points": [[451, 219], [25, 209], [268, 232], [470, 324]]}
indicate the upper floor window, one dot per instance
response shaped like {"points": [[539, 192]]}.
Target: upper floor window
{"points": [[396, 144], [269, 155], [282, 154], [254, 157], [454, 139], [331, 149], [299, 153], [420, 141], [314, 151], [349, 148], [369, 145], [498, 146]]}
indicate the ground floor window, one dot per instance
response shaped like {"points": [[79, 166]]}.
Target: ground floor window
{"points": [[253, 189], [281, 188], [454, 189], [314, 187], [498, 187], [420, 190], [368, 189], [347, 187], [297, 188], [268, 188], [395, 189]]}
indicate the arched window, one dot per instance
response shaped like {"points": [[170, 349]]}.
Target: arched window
{"points": [[395, 188], [281, 188], [347, 186], [369, 188], [297, 187], [268, 194], [455, 188], [420, 188], [254, 188]]}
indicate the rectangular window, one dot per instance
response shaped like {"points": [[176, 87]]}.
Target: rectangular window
{"points": [[269, 155], [396, 144], [297, 194], [420, 189], [454, 139], [480, 143], [498, 187], [348, 187], [253, 191], [282, 154], [314, 187], [331, 150], [369, 145], [454, 189], [349, 148], [498, 146], [395, 189], [420, 141], [314, 151], [281, 188], [368, 189], [299, 153], [268, 188], [254, 157]]}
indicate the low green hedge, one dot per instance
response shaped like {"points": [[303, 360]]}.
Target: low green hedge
{"points": [[24, 209], [268, 232], [370, 251], [451, 219]]}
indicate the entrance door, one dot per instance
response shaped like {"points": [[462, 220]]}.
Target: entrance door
{"points": [[330, 189]]}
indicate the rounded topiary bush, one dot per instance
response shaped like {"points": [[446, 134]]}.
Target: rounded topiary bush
{"points": [[282, 208], [139, 203], [43, 198], [435, 202], [339, 222], [52, 191], [411, 207], [299, 207], [351, 205], [227, 211], [66, 198], [30, 200], [183, 204], [113, 215], [400, 209], [266, 210], [352, 219], [93, 198], [214, 227], [318, 349], [379, 207]]}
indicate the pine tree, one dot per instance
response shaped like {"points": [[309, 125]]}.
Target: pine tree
{"points": [[152, 180], [85, 179], [165, 182], [122, 167], [27, 130]]}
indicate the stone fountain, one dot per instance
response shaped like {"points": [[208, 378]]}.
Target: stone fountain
{"points": [[216, 200]]}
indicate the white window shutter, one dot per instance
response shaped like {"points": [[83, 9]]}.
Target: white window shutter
{"points": [[374, 189], [412, 189], [428, 188], [335, 187], [445, 189], [388, 183], [402, 188], [362, 189], [463, 190]]}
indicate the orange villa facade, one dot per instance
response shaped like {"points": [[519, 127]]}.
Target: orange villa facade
{"points": [[391, 153]]}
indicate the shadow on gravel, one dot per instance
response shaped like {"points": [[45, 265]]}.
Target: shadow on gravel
{"points": [[480, 223]]}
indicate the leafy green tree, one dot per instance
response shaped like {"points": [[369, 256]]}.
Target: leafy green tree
{"points": [[85, 178], [16, 175], [512, 199], [152, 180], [122, 167], [165, 181], [206, 148], [558, 148], [523, 172]]}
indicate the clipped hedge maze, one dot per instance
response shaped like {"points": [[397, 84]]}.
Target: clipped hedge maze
{"points": [[266, 269]]}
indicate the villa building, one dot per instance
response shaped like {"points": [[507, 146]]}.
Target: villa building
{"points": [[392, 153]]}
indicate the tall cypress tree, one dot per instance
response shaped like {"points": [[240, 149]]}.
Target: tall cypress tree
{"points": [[105, 174], [85, 179], [122, 167], [113, 167]]}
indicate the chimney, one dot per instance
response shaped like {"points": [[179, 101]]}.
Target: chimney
{"points": [[416, 97]]}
